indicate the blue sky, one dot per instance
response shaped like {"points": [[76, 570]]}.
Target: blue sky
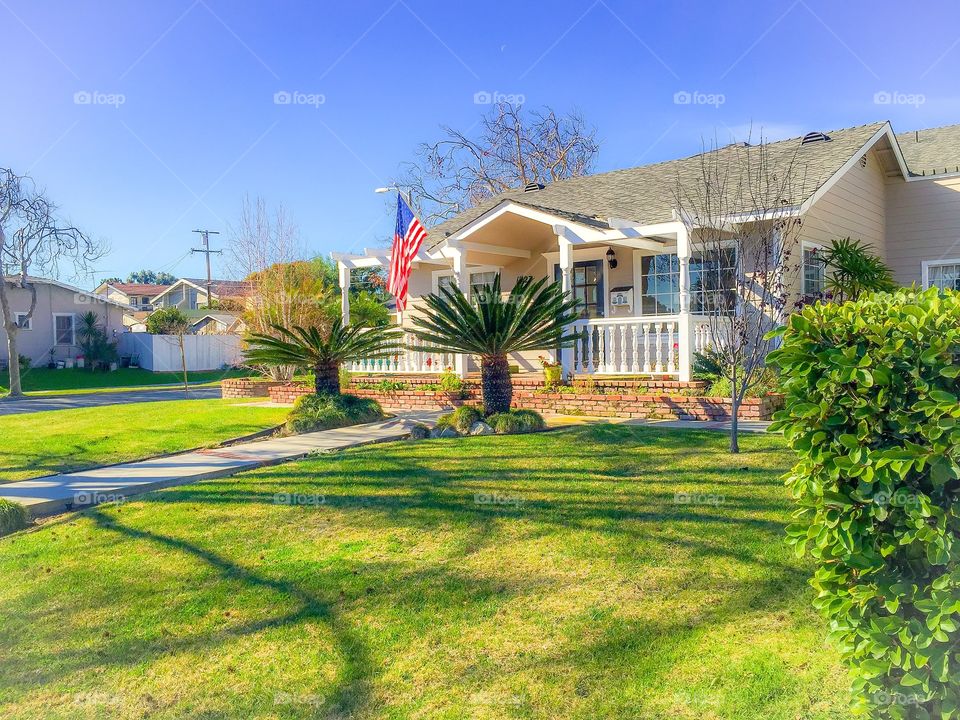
{"points": [[145, 120]]}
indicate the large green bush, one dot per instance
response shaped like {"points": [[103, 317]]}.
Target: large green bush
{"points": [[872, 411], [325, 411], [13, 516]]}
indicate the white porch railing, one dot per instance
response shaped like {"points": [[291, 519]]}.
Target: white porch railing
{"points": [[634, 345], [407, 357]]}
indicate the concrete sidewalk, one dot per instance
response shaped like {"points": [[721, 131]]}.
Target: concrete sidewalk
{"points": [[56, 493]]}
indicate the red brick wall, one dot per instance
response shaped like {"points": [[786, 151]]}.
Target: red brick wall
{"points": [[632, 404], [247, 387]]}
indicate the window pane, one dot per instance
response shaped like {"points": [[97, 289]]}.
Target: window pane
{"points": [[64, 326], [945, 277]]}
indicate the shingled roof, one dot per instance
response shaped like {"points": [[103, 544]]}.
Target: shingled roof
{"points": [[931, 151], [645, 194]]}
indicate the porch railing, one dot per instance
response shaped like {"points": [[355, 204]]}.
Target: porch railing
{"points": [[634, 345], [408, 356]]}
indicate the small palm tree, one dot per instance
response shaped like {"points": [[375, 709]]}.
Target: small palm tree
{"points": [[323, 352], [535, 316]]}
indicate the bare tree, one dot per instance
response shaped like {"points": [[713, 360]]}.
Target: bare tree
{"points": [[266, 250], [33, 241], [741, 210], [514, 147]]}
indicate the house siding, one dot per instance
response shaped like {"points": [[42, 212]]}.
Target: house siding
{"points": [[923, 224], [52, 299]]}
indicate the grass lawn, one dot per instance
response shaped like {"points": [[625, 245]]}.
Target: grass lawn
{"points": [[545, 576], [41, 381], [34, 444]]}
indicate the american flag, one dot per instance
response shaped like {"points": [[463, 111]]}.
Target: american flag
{"points": [[407, 239]]}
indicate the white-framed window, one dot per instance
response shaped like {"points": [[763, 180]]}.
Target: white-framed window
{"points": [[713, 282], [64, 329], [478, 278], [814, 270], [944, 274], [22, 321]]}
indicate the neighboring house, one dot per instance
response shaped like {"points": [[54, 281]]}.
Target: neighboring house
{"points": [[899, 193], [56, 318], [138, 295], [191, 294], [218, 323]]}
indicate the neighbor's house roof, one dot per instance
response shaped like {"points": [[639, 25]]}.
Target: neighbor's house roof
{"points": [[220, 288], [135, 288], [14, 279]]}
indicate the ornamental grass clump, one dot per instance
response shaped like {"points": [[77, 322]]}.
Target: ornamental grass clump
{"points": [[873, 414]]}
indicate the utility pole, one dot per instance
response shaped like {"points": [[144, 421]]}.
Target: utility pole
{"points": [[207, 251]]}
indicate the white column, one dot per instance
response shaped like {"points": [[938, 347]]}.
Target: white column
{"points": [[685, 329], [462, 278], [566, 280], [344, 274]]}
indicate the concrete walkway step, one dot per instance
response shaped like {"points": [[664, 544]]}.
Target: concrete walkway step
{"points": [[56, 493]]}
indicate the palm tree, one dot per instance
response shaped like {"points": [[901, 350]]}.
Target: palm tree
{"points": [[535, 316], [323, 352]]}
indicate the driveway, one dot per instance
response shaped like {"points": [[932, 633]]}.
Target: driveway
{"points": [[32, 404]]}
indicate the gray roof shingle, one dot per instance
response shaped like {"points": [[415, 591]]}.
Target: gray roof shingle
{"points": [[931, 151], [645, 194]]}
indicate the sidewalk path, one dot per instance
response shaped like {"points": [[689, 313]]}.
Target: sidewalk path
{"points": [[751, 426], [41, 403], [56, 493]]}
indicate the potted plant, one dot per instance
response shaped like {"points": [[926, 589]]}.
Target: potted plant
{"points": [[552, 371]]}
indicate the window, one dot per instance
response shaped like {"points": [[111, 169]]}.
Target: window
{"points": [[22, 321], [63, 330], [713, 282], [477, 280], [587, 286], [942, 274], [814, 271]]}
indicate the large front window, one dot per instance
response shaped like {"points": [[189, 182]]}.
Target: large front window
{"points": [[713, 282], [63, 329], [814, 271], [477, 281]]}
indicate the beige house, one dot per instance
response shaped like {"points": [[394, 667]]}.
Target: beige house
{"points": [[191, 293], [139, 296], [51, 332], [617, 242]]}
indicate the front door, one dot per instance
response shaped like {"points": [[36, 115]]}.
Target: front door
{"points": [[587, 287]]}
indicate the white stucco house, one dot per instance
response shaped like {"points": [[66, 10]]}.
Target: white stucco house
{"points": [[51, 332], [616, 241]]}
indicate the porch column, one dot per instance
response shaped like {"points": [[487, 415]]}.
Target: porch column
{"points": [[566, 282], [685, 329], [462, 278], [343, 272]]}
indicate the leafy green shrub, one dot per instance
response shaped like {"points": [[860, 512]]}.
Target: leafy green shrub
{"points": [[419, 431], [450, 381], [325, 411], [13, 517], [766, 381], [444, 421], [463, 417], [516, 421], [709, 365], [873, 413]]}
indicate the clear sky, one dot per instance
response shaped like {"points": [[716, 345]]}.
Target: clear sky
{"points": [[146, 119]]}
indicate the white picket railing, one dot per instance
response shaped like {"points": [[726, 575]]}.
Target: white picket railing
{"points": [[407, 357], [627, 346]]}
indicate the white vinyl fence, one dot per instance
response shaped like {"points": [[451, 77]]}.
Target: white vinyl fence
{"points": [[161, 353]]}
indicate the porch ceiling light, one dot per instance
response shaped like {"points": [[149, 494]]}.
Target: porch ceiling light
{"points": [[611, 258]]}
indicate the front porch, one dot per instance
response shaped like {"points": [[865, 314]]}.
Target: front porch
{"points": [[634, 283]]}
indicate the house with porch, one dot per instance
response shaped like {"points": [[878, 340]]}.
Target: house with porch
{"points": [[618, 243]]}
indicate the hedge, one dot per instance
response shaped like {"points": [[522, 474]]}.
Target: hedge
{"points": [[872, 412]]}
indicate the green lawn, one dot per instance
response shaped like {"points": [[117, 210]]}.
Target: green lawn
{"points": [[43, 443], [41, 381], [545, 576]]}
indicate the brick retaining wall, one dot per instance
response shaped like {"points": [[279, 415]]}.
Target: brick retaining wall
{"points": [[247, 387], [647, 404]]}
